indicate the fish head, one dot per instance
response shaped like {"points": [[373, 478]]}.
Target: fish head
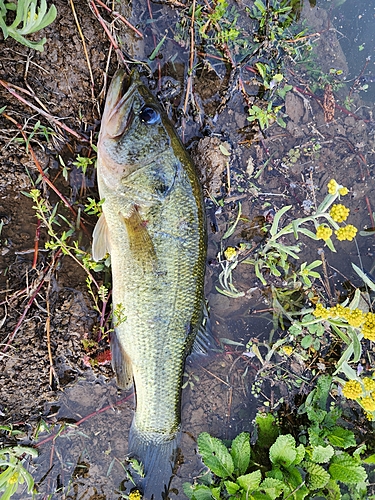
{"points": [[135, 129]]}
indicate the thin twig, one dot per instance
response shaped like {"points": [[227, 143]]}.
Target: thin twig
{"points": [[86, 54], [109, 34], [46, 273], [49, 117], [43, 175], [119, 16], [36, 244]]}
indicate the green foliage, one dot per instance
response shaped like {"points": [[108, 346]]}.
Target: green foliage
{"points": [[12, 470], [276, 466], [29, 18]]}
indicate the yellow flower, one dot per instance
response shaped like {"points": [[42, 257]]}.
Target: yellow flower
{"points": [[346, 233], [339, 212], [332, 186], [369, 384], [135, 495], [230, 253], [287, 349], [355, 318], [323, 233], [352, 389], [338, 311], [14, 478], [368, 328], [343, 191], [369, 416], [367, 403], [321, 312]]}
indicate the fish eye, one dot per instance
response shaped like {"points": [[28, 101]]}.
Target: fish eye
{"points": [[149, 115]]}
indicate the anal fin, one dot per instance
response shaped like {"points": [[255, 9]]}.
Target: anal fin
{"points": [[121, 363]]}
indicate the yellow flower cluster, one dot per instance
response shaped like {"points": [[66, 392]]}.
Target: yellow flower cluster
{"points": [[135, 495], [355, 317], [369, 384], [333, 187], [363, 393], [368, 328], [367, 403], [352, 389], [323, 233], [339, 212], [346, 233], [321, 312], [230, 253]]}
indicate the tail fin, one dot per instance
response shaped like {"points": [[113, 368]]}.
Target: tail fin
{"points": [[158, 457]]}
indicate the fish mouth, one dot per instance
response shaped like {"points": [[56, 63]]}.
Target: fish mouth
{"points": [[118, 112]]}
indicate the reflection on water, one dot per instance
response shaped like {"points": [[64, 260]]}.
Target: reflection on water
{"points": [[87, 461]]}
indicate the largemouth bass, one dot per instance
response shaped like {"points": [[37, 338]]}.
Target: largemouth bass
{"points": [[153, 226]]}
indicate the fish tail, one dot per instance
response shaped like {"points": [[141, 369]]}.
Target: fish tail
{"points": [[158, 457]]}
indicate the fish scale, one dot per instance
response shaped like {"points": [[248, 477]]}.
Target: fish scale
{"points": [[153, 226]]}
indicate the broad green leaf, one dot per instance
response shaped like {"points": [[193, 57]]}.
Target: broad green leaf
{"points": [[370, 459], [273, 487], [283, 451], [333, 490], [231, 487], [346, 469], [296, 484], [306, 341], [267, 429], [317, 477], [240, 452], [342, 438], [215, 455], [188, 490], [202, 492], [322, 454], [300, 454], [250, 482]]}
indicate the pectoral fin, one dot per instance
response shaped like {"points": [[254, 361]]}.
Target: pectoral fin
{"points": [[140, 242], [100, 241], [121, 364]]}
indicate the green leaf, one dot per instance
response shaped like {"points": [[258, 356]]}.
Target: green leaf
{"points": [[202, 492], [346, 469], [277, 218], [267, 428], [296, 484], [215, 455], [322, 454], [364, 277], [306, 341], [283, 451], [250, 482], [273, 487], [342, 438], [231, 487], [300, 454], [332, 490], [240, 452], [317, 477]]}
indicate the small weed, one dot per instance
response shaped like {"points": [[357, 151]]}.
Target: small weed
{"points": [[279, 466], [31, 18], [12, 470]]}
